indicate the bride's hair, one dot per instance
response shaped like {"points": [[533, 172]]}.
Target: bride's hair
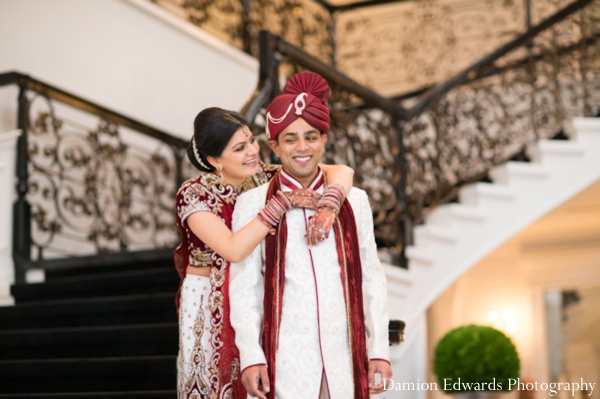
{"points": [[213, 128]]}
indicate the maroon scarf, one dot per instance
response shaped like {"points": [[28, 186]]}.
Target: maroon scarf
{"points": [[351, 273]]}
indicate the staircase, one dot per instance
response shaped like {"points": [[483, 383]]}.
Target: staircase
{"points": [[458, 235], [103, 332]]}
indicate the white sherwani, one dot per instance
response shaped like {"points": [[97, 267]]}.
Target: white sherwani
{"points": [[313, 337]]}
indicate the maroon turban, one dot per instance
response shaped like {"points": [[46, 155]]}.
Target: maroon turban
{"points": [[304, 96]]}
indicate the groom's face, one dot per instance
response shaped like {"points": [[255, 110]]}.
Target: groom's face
{"points": [[300, 149]]}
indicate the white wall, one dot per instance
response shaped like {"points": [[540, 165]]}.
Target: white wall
{"points": [[8, 143], [128, 55]]}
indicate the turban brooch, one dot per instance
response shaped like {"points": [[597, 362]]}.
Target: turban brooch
{"points": [[304, 96]]}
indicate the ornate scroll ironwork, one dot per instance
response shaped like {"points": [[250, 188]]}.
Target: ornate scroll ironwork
{"points": [[405, 46], [531, 95], [96, 189], [303, 23], [366, 140]]}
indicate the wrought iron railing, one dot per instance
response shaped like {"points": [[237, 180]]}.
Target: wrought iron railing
{"points": [[91, 182], [95, 183], [305, 23], [500, 106], [387, 45], [94, 187], [413, 154]]}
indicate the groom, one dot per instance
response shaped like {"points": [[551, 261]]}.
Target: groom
{"points": [[310, 322]]}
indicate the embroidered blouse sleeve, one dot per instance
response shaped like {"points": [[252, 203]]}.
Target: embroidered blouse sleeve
{"points": [[266, 172], [191, 198]]}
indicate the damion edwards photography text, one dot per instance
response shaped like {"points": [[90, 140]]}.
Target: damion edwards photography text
{"points": [[552, 388]]}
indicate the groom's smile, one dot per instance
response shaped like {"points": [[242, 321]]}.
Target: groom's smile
{"points": [[300, 148]]}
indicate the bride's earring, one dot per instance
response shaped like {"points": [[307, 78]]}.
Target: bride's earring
{"points": [[219, 174]]}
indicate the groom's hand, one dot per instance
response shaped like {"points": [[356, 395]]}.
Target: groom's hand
{"points": [[256, 381], [384, 369]]}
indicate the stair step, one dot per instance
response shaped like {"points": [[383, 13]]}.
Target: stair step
{"points": [[96, 375], [94, 285], [527, 169], [116, 267], [419, 255], [444, 215], [425, 233], [134, 340], [124, 310], [471, 195], [560, 147], [588, 131], [162, 394], [587, 124], [441, 234], [466, 212], [502, 174]]}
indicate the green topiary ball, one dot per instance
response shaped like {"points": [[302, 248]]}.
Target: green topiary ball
{"points": [[473, 356]]}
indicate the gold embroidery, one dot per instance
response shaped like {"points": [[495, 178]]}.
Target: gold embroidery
{"points": [[193, 384], [265, 173], [200, 258], [215, 300], [235, 369], [217, 277]]}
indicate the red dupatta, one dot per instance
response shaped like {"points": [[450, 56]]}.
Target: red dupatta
{"points": [[351, 273]]}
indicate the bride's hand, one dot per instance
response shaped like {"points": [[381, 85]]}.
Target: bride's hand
{"points": [[303, 198], [320, 225]]}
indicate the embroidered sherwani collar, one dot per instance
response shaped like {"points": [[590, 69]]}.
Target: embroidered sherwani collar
{"points": [[290, 183]]}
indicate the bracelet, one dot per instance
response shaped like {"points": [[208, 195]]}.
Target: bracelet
{"points": [[333, 197], [274, 209], [263, 219]]}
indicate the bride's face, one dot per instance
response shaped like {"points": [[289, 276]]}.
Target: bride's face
{"points": [[239, 159]]}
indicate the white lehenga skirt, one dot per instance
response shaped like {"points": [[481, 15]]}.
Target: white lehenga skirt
{"points": [[195, 349]]}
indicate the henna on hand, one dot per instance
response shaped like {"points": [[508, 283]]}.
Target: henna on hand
{"points": [[327, 210], [320, 225], [303, 198]]}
